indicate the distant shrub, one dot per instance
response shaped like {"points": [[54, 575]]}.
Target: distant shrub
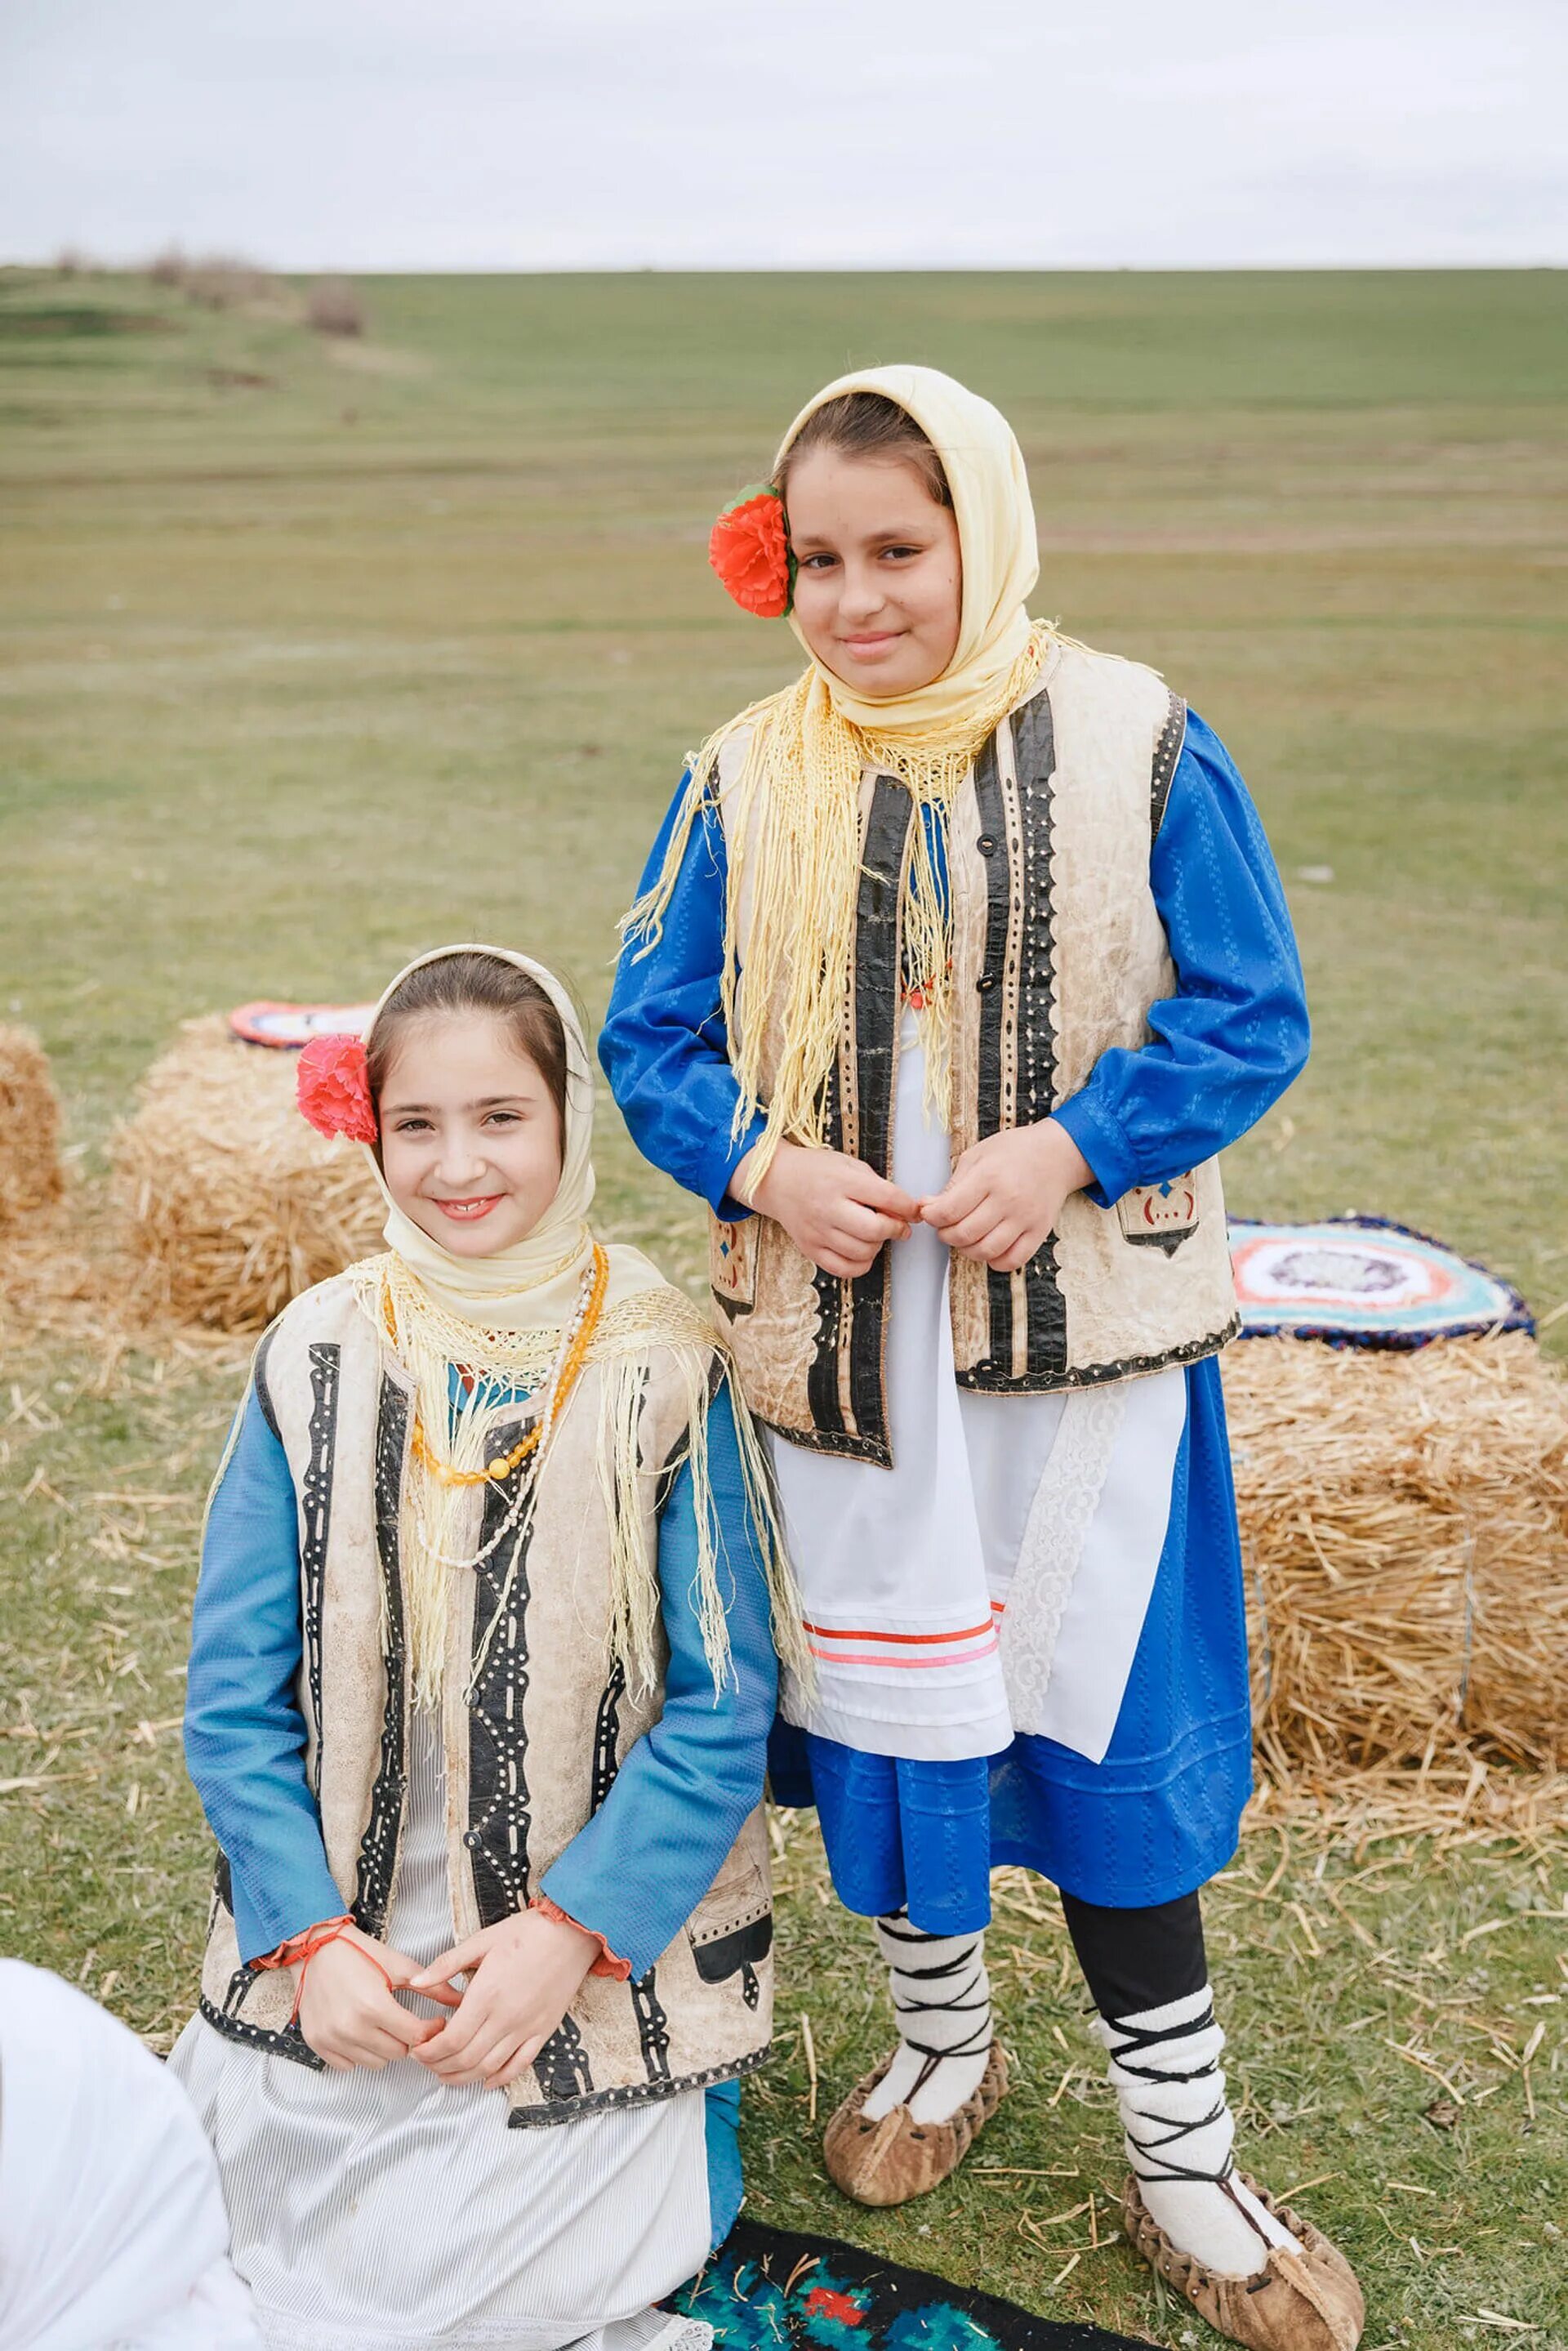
{"points": [[221, 283], [334, 309], [70, 263], [168, 267]]}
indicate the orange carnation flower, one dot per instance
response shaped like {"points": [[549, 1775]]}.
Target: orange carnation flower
{"points": [[749, 549]]}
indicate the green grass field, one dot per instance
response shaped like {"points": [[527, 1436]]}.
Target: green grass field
{"points": [[315, 655]]}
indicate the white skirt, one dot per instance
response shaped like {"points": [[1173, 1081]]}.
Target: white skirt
{"points": [[996, 1579], [386, 2211]]}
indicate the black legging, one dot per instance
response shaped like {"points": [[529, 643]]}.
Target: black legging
{"points": [[1137, 1959]]}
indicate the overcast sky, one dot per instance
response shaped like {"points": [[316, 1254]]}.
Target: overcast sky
{"points": [[508, 134]]}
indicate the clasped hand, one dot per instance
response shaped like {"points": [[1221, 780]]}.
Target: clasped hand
{"points": [[521, 1976], [999, 1205]]}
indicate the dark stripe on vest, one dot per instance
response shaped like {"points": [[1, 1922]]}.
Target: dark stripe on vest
{"points": [[316, 1514], [994, 994], [1034, 762], [860, 1307], [561, 2067], [498, 1813], [1167, 752], [378, 1845]]}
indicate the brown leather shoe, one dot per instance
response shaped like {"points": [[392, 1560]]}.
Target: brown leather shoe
{"points": [[889, 2162], [1298, 2301]]}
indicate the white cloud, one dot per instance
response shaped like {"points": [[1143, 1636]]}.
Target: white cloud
{"points": [[451, 134]]}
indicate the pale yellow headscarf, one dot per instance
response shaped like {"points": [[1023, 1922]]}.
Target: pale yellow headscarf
{"points": [[791, 805], [506, 1320]]}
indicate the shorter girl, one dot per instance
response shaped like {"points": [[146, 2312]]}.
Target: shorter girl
{"points": [[481, 1681]]}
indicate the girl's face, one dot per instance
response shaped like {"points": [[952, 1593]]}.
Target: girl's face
{"points": [[879, 583], [470, 1139]]}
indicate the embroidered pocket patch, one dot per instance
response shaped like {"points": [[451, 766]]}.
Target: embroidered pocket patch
{"points": [[732, 1264], [1159, 1216]]}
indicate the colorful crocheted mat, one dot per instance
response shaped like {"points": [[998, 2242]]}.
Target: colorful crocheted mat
{"points": [[1360, 1282], [767, 2289], [266, 1023]]}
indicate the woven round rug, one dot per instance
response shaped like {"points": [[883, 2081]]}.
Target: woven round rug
{"points": [[1361, 1282], [266, 1023]]}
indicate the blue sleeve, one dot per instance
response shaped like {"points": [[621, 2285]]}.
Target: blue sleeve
{"points": [[1232, 1039], [244, 1735], [639, 1869], [664, 1047]]}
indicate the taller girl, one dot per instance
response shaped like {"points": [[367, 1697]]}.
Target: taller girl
{"points": [[956, 964]]}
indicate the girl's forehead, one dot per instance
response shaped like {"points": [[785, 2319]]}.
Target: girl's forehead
{"points": [[445, 1052], [830, 489]]}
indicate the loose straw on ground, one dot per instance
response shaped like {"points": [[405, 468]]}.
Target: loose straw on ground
{"points": [[230, 1204]]}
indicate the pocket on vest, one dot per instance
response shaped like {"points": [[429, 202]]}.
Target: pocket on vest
{"points": [[1160, 1216], [732, 1264]]}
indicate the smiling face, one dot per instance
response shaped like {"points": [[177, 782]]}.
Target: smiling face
{"points": [[470, 1137], [879, 587]]}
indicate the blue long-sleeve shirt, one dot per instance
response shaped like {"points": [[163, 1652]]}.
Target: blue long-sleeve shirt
{"points": [[1223, 1047], [634, 1873]]}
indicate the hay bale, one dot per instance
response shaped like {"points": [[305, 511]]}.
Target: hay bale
{"points": [[30, 1173], [1405, 1522], [230, 1204]]}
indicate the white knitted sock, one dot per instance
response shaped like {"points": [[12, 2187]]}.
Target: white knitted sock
{"points": [[1179, 2131], [941, 1999]]}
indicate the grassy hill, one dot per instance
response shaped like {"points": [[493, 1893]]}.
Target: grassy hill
{"points": [[315, 651]]}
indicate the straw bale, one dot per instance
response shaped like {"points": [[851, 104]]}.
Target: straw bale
{"points": [[30, 1175], [1405, 1524], [230, 1204]]}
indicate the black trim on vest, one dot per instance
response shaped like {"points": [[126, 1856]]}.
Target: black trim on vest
{"points": [[258, 1380], [498, 1802], [315, 1517], [534, 2117], [562, 2068], [606, 1737], [861, 1305], [652, 2026], [992, 989], [290, 2042], [985, 1382], [1167, 753], [383, 1830], [1034, 764]]}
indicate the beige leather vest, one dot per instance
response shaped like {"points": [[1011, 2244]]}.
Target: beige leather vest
{"points": [[1058, 954], [530, 1754]]}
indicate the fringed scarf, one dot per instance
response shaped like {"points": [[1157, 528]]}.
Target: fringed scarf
{"points": [[792, 806], [475, 1333]]}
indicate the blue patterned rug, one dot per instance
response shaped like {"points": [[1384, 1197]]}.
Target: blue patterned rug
{"points": [[767, 2289], [1360, 1282]]}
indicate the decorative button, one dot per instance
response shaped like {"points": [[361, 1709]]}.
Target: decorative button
{"points": [[985, 983], [470, 1839], [986, 844], [985, 1364]]}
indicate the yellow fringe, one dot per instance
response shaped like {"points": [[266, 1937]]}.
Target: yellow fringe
{"points": [[441, 1521], [793, 812]]}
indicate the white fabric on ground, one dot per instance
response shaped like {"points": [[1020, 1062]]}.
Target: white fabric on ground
{"points": [[387, 2207], [942, 2001], [920, 1562], [113, 2234], [1170, 2090]]}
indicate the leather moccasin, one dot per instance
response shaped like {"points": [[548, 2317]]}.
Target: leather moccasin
{"points": [[1308, 2301], [889, 2162]]}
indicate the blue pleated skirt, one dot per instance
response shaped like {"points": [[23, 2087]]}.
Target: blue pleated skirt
{"points": [[1154, 1820]]}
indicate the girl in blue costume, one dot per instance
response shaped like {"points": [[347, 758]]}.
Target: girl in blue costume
{"points": [[956, 964], [481, 1680]]}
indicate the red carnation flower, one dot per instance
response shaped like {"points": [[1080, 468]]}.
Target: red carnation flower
{"points": [[333, 1085], [749, 549]]}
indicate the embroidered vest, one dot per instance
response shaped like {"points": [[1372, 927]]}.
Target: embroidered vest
{"points": [[1058, 954], [530, 1753]]}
